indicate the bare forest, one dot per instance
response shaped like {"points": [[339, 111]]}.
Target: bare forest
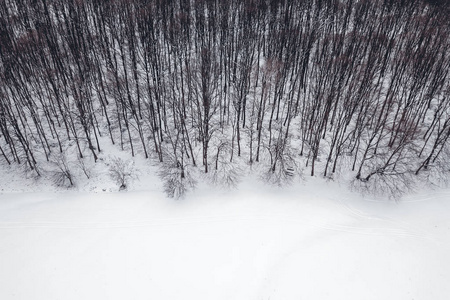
{"points": [[331, 88]]}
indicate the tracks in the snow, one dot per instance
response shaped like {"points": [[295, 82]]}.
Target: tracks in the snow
{"points": [[393, 226], [363, 225]]}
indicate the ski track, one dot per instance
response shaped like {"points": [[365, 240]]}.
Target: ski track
{"points": [[158, 223], [432, 196], [376, 225], [405, 226]]}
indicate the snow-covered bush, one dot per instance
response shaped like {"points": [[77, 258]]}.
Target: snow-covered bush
{"points": [[63, 175], [176, 176], [282, 167], [226, 172], [122, 172], [390, 184]]}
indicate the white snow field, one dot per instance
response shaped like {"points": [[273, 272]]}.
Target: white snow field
{"points": [[312, 240]]}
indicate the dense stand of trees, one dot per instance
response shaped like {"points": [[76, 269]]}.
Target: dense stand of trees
{"points": [[326, 85]]}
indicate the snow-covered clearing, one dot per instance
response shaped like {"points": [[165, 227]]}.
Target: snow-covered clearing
{"points": [[313, 240]]}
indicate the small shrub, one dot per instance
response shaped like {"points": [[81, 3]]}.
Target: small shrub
{"points": [[227, 175], [62, 175], [122, 172], [176, 177]]}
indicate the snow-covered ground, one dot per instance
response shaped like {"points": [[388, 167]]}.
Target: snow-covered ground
{"points": [[312, 240]]}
